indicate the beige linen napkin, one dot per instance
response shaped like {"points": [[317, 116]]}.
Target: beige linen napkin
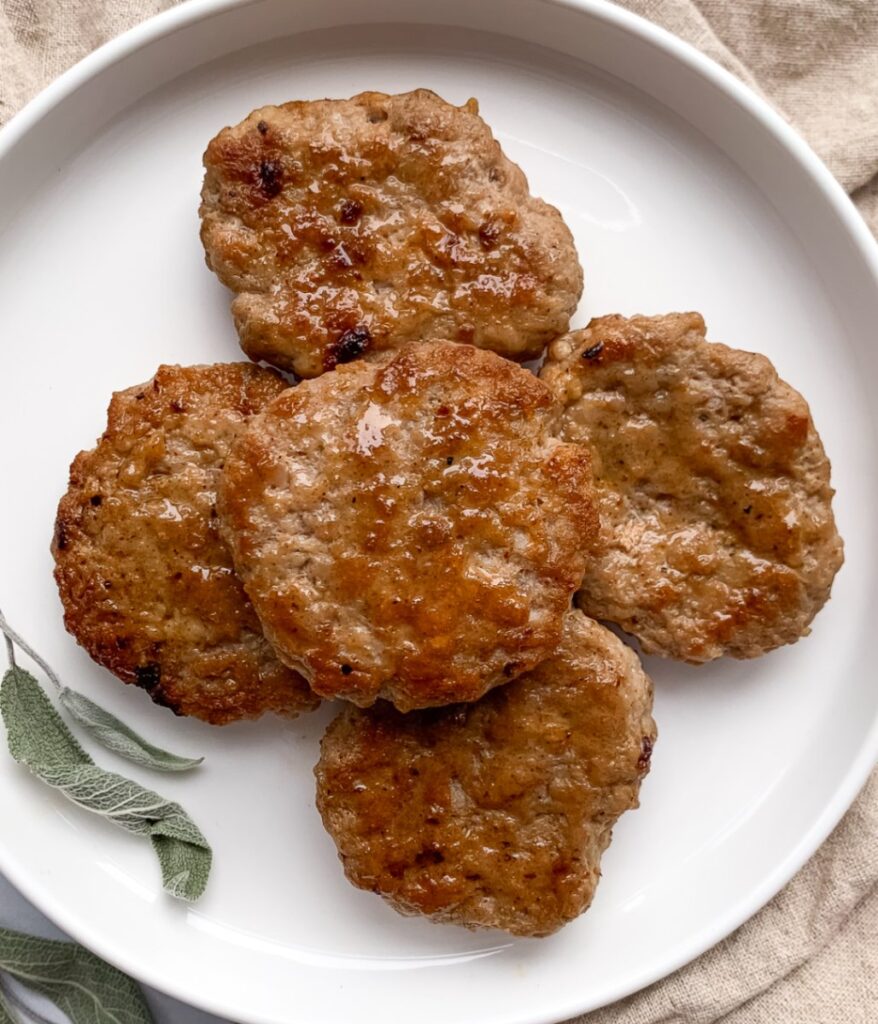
{"points": [[811, 956]]}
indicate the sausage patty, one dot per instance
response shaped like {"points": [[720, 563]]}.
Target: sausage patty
{"points": [[717, 528], [352, 226], [146, 581], [409, 529], [495, 814]]}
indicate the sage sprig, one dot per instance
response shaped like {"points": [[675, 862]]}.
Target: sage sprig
{"points": [[110, 731], [40, 741], [84, 987]]}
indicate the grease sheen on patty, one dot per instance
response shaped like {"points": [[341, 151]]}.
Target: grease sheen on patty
{"points": [[410, 529], [351, 226]]}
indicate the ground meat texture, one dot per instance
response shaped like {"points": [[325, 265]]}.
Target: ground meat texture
{"points": [[495, 814], [347, 227], [409, 529], [147, 583], [717, 529]]}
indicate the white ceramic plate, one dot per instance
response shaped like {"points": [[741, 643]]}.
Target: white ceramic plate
{"points": [[683, 191]]}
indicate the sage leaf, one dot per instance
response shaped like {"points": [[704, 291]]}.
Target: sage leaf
{"points": [[39, 740], [108, 730], [183, 852], [81, 985], [115, 735], [36, 733]]}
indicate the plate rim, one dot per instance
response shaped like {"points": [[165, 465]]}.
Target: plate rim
{"points": [[168, 22]]}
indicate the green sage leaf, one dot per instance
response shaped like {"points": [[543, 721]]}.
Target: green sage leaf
{"points": [[112, 733], [39, 740], [36, 733], [107, 729], [183, 852], [81, 985]]}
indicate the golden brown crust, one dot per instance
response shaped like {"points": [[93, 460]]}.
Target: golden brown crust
{"points": [[409, 530], [353, 226], [717, 528], [494, 814], [146, 582]]}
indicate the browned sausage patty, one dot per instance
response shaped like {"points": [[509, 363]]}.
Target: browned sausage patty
{"points": [[352, 226], [410, 530], [718, 535], [146, 582], [495, 814]]}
